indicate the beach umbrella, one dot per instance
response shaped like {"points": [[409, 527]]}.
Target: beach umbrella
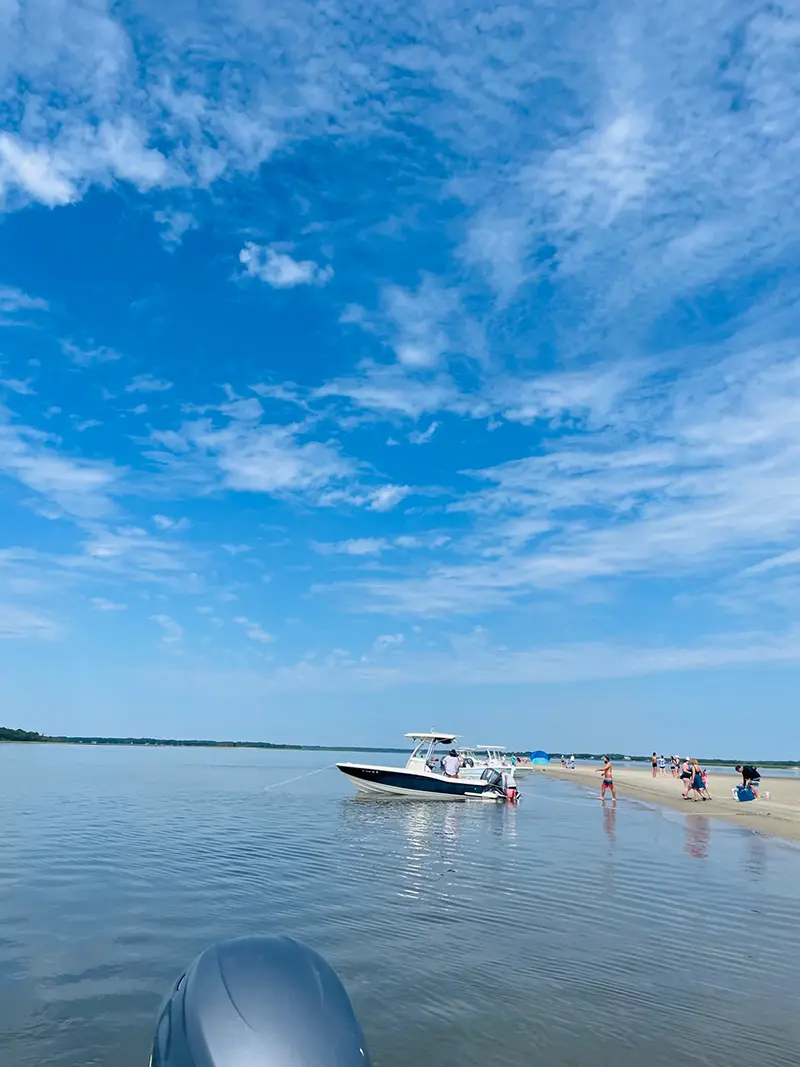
{"points": [[539, 757]]}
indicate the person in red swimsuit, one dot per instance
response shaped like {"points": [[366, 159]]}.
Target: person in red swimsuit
{"points": [[607, 772]]}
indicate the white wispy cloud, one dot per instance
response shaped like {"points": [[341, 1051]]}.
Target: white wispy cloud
{"points": [[12, 300], [474, 661], [174, 225], [23, 387], [33, 171], [147, 383], [88, 355], [681, 476], [391, 392], [100, 603], [385, 497], [356, 546], [423, 323], [242, 453], [274, 265], [421, 437], [374, 546], [267, 458], [172, 631], [79, 487], [253, 630], [130, 552], [163, 522], [387, 641], [779, 562], [20, 622]]}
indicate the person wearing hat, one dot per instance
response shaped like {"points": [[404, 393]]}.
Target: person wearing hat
{"points": [[451, 764]]}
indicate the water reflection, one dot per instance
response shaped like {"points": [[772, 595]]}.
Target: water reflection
{"points": [[756, 853], [610, 819], [465, 933], [698, 836]]}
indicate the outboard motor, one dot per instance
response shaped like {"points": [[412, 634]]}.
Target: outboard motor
{"points": [[498, 782], [258, 1002]]}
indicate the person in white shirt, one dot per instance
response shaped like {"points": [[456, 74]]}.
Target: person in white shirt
{"points": [[451, 764]]}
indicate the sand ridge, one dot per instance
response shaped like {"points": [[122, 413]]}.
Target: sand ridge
{"points": [[778, 816]]}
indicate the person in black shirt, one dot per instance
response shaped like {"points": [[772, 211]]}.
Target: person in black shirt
{"points": [[750, 775]]}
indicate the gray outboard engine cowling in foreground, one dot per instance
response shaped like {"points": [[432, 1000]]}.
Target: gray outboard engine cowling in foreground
{"points": [[258, 1002]]}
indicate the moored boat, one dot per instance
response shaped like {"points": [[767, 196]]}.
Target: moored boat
{"points": [[423, 777], [475, 759]]}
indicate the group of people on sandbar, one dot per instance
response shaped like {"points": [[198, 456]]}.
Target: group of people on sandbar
{"points": [[692, 775], [695, 780]]}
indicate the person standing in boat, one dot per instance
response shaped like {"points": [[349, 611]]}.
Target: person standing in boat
{"points": [[451, 764]]}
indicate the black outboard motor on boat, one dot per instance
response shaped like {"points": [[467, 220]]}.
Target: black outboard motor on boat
{"points": [[258, 1002], [495, 779]]}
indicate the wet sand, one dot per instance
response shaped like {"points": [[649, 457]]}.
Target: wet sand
{"points": [[779, 816]]}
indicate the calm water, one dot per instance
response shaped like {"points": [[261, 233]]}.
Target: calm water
{"points": [[556, 933]]}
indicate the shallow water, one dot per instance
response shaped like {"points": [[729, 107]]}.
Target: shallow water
{"points": [[558, 933]]}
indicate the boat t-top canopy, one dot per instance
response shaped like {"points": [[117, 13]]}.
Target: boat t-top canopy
{"points": [[446, 739], [487, 748]]}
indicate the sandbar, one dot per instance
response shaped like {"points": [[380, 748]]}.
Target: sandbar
{"points": [[779, 816]]}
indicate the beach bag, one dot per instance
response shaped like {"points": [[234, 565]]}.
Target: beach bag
{"points": [[743, 793]]}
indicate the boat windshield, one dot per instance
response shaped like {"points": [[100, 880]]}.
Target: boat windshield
{"points": [[431, 750]]}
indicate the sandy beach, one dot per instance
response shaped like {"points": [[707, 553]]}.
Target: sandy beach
{"points": [[779, 816]]}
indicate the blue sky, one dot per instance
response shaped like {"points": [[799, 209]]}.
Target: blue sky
{"points": [[368, 369]]}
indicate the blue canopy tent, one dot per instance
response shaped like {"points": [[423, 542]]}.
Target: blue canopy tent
{"points": [[539, 757]]}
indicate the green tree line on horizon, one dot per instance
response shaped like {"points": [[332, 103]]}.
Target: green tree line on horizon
{"points": [[9, 734]]}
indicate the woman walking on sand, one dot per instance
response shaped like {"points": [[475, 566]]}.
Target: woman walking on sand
{"points": [[686, 778], [697, 785]]}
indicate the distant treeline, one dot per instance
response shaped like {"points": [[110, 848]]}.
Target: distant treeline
{"points": [[20, 735], [7, 734], [169, 742]]}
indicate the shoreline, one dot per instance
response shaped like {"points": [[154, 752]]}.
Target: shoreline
{"points": [[779, 816]]}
